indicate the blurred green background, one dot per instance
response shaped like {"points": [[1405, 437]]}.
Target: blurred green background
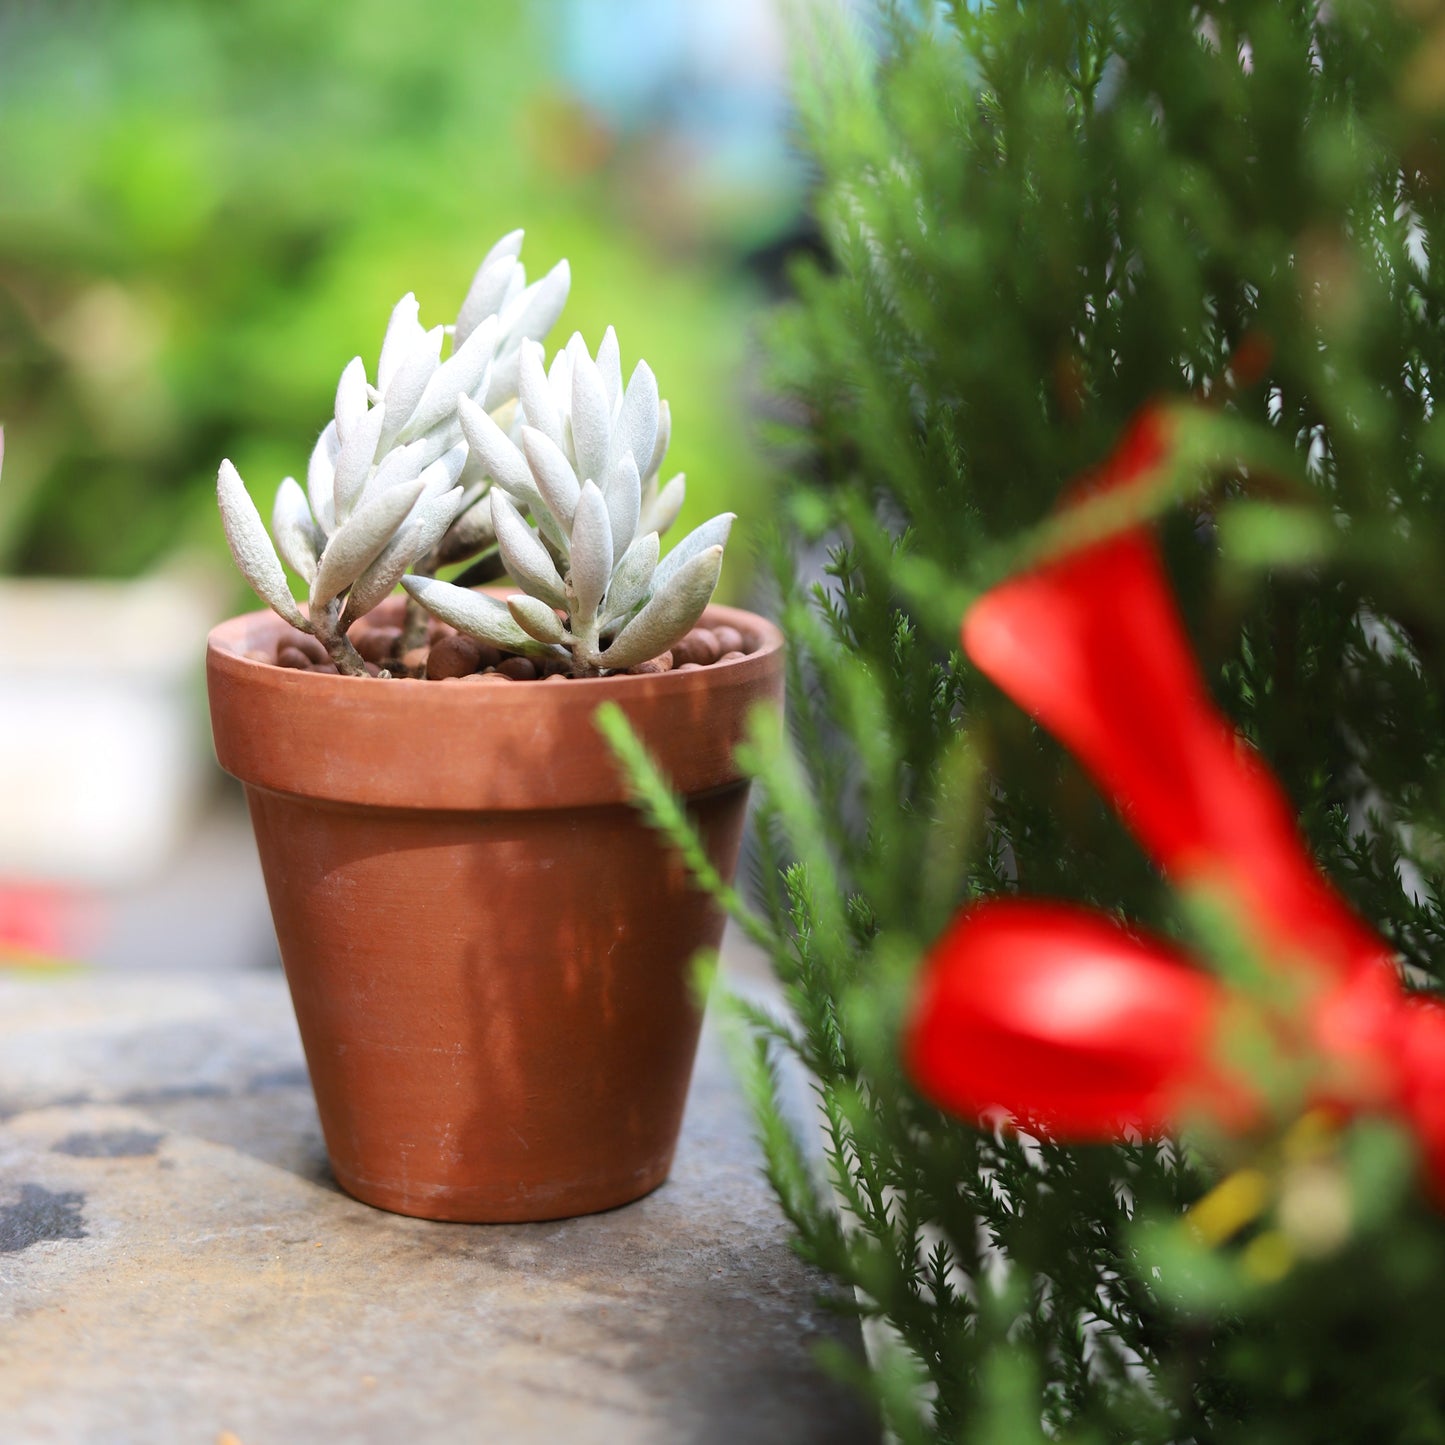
{"points": [[206, 209]]}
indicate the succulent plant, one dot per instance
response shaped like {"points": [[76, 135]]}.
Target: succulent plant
{"points": [[594, 591], [391, 486]]}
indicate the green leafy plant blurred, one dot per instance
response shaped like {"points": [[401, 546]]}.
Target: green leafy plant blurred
{"points": [[203, 207], [1040, 217]]}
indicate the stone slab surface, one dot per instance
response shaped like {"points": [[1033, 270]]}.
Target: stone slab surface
{"points": [[176, 1263]]}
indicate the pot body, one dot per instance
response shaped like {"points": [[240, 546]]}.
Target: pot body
{"points": [[487, 949]]}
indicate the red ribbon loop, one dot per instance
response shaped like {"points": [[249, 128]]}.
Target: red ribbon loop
{"points": [[1064, 1019]]}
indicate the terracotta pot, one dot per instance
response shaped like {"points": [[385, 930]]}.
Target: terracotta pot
{"points": [[487, 949]]}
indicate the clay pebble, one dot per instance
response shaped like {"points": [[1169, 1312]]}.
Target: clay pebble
{"points": [[376, 644], [729, 639], [519, 669], [289, 656], [731, 656], [662, 663], [415, 662], [453, 657], [699, 646]]}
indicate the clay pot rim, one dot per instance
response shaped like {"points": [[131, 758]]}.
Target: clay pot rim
{"points": [[416, 744], [228, 642]]}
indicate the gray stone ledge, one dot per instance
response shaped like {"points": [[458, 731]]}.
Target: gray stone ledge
{"points": [[176, 1262]]}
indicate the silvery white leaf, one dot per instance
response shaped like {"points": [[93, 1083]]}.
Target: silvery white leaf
{"points": [[507, 416], [662, 511], [481, 382], [403, 332], [444, 473], [298, 539], [476, 614], [535, 311], [353, 465], [357, 542], [440, 439], [251, 547], [624, 501], [472, 492], [553, 475], [664, 436], [321, 478], [474, 475], [631, 578], [591, 419], [509, 245], [516, 284], [502, 379], [670, 613], [407, 385], [559, 374], [559, 552], [637, 421], [552, 532], [463, 373], [373, 587], [526, 559], [493, 449], [534, 617], [508, 468], [379, 580], [591, 552], [489, 285], [413, 542], [713, 533], [350, 397], [430, 520], [536, 396], [402, 464], [609, 364], [472, 532]]}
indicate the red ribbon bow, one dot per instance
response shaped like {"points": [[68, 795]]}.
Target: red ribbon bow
{"points": [[1061, 1017]]}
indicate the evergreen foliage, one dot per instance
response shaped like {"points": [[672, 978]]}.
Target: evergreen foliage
{"points": [[1041, 216]]}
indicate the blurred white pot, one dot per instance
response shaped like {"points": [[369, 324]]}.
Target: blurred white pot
{"points": [[102, 747]]}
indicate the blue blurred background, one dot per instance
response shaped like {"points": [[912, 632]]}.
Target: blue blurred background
{"points": [[206, 209]]}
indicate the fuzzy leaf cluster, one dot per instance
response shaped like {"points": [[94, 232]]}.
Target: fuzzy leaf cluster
{"points": [[391, 484], [578, 510]]}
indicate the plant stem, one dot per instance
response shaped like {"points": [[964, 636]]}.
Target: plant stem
{"points": [[413, 627], [586, 652], [345, 656], [328, 633], [414, 622]]}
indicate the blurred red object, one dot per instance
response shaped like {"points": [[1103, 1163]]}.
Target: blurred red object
{"points": [[1067, 1021], [1073, 1025], [1091, 645], [37, 924]]}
